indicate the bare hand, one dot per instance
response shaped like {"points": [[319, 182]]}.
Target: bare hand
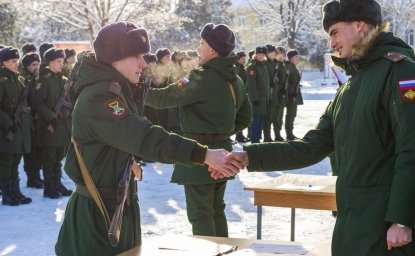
{"points": [[398, 236], [216, 159], [237, 159]]}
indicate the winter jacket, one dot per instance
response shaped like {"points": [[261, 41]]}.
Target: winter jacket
{"points": [[258, 87], [371, 127]]}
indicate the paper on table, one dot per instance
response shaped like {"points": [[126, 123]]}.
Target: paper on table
{"points": [[280, 248], [300, 187]]}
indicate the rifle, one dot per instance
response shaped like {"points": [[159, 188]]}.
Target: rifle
{"points": [[22, 107], [122, 195], [145, 85], [341, 78], [59, 107]]}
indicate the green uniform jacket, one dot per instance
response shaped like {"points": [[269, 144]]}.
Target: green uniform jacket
{"points": [[258, 87], [371, 126], [279, 91], [293, 90], [108, 129], [45, 97], [206, 107], [240, 70], [11, 87]]}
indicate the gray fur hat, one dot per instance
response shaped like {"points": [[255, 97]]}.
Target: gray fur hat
{"points": [[369, 11]]}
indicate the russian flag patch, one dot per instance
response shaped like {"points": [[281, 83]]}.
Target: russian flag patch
{"points": [[407, 90]]}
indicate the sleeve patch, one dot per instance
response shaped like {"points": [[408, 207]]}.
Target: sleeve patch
{"points": [[251, 72], [116, 108], [407, 91]]}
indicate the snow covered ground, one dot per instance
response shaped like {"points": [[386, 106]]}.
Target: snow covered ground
{"points": [[32, 229]]}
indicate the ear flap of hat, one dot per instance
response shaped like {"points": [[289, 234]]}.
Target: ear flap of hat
{"points": [[331, 14]]}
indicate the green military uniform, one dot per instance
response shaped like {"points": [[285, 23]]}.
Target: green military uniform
{"points": [[371, 128], [259, 94], [293, 97], [270, 64], [240, 70], [108, 128], [11, 151], [210, 114], [48, 91]]}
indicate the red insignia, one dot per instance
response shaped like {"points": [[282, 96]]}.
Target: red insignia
{"points": [[251, 72], [116, 108], [407, 91]]}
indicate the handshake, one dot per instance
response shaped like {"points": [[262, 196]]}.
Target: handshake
{"points": [[225, 164]]}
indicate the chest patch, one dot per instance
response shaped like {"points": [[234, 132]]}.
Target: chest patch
{"points": [[407, 91], [116, 108], [251, 72]]}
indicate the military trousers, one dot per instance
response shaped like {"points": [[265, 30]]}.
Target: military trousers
{"points": [[9, 166], [32, 160], [290, 116], [274, 118], [206, 209], [256, 128], [51, 158]]}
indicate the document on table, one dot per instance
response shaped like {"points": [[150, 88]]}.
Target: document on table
{"points": [[300, 187], [280, 248]]}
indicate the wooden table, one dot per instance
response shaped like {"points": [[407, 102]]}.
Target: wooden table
{"points": [[294, 191], [181, 245]]}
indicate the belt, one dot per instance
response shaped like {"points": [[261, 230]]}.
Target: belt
{"points": [[206, 137], [105, 193]]}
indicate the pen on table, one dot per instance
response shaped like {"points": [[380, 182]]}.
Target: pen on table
{"points": [[232, 249]]}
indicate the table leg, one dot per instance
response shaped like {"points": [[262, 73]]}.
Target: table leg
{"points": [[292, 224], [259, 222]]}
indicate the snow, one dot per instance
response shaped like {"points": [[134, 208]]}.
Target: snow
{"points": [[32, 229]]}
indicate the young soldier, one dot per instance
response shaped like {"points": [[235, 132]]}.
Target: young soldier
{"points": [[270, 64], [293, 97], [28, 48], [108, 130], [258, 91], [213, 105], [371, 128], [70, 59], [54, 130], [240, 69], [14, 127], [30, 70]]}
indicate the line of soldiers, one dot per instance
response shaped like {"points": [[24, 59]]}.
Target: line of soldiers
{"points": [[273, 83], [34, 119]]}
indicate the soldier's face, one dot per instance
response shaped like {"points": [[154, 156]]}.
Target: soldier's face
{"points": [[205, 51], [344, 35], [242, 60], [33, 67], [260, 57], [131, 67], [12, 65], [271, 55], [56, 65]]}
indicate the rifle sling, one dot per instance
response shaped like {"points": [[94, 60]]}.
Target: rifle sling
{"points": [[93, 191]]}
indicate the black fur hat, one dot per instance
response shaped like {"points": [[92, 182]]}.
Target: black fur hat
{"points": [[69, 52], [120, 40], [240, 55], [28, 47], [369, 11], [30, 57], [280, 49], [150, 58], [162, 52], [43, 48], [8, 53], [270, 48], [219, 37], [292, 53], [261, 49], [53, 54]]}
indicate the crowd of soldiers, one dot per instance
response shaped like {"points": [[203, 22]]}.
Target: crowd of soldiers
{"points": [[36, 98]]}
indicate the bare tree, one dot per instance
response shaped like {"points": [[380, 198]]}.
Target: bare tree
{"points": [[400, 14]]}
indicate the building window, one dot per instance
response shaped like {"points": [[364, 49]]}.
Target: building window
{"points": [[409, 37], [241, 19], [262, 21]]}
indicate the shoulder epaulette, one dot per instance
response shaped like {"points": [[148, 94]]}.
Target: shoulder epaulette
{"points": [[3, 79], [115, 88], [394, 56]]}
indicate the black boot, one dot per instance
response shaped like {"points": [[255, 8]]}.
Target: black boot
{"points": [[239, 137], [33, 179], [61, 188], [290, 136], [16, 189], [50, 189], [278, 137], [8, 197]]}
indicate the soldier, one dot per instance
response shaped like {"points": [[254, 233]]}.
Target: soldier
{"points": [[271, 64], [108, 130], [293, 95], [258, 91], [54, 130], [213, 105], [30, 68], [370, 127], [28, 48], [14, 127], [68, 62], [240, 69]]}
